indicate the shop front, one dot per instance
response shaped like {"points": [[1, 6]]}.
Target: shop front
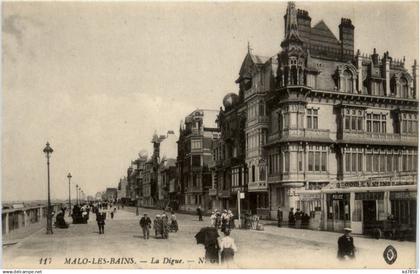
{"points": [[363, 205], [310, 203]]}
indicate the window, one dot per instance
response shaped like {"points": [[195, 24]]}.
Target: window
{"points": [[369, 162], [353, 119], [311, 80], [376, 123], [353, 160], [312, 118], [347, 84], [404, 88], [317, 158], [196, 144], [253, 173], [261, 108], [409, 123], [286, 161], [300, 160], [196, 160]]}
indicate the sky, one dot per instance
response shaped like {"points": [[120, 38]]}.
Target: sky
{"points": [[96, 80]]}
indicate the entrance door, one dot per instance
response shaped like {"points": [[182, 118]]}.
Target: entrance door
{"points": [[369, 214]]}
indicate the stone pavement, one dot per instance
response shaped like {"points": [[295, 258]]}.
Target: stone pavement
{"points": [[122, 246]]}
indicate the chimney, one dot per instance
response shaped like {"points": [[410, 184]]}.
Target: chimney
{"points": [[346, 32], [415, 79], [386, 61], [304, 25], [359, 72]]}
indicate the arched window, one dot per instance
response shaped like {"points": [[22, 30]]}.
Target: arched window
{"points": [[347, 84], [404, 87]]}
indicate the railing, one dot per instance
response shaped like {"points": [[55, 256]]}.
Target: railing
{"points": [[212, 192], [306, 132], [257, 186], [377, 136], [225, 193], [13, 219]]}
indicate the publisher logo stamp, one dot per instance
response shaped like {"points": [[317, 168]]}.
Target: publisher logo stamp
{"points": [[390, 254]]}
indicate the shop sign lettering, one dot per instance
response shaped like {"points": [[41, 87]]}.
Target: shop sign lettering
{"points": [[372, 184]]}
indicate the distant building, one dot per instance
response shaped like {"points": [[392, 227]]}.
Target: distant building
{"points": [[98, 196], [111, 194], [167, 170], [195, 156], [122, 192]]}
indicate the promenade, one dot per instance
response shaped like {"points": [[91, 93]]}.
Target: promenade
{"points": [[122, 246]]}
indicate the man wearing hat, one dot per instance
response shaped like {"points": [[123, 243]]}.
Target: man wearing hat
{"points": [[345, 245], [145, 224]]}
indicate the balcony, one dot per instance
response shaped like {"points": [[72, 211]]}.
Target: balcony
{"points": [[257, 186], [212, 192], [378, 138], [304, 134], [225, 193]]}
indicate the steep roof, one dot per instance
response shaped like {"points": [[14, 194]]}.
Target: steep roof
{"points": [[322, 33], [209, 118]]}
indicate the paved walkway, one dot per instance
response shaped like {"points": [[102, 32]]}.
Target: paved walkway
{"points": [[272, 248]]}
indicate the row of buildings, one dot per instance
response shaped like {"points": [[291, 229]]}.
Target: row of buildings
{"points": [[318, 127]]}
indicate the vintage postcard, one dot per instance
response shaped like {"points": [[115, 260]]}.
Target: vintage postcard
{"points": [[140, 135]]}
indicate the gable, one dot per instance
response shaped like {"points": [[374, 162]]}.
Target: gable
{"points": [[322, 34]]}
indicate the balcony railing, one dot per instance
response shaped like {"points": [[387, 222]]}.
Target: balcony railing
{"points": [[306, 132], [212, 192], [257, 186], [379, 137], [225, 193]]}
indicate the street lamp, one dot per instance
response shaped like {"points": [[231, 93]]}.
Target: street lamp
{"points": [[48, 150], [77, 194], [69, 176], [137, 205]]}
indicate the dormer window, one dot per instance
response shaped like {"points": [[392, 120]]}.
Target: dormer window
{"points": [[347, 82], [403, 85]]}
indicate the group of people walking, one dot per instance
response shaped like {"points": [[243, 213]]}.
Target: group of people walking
{"points": [[298, 219], [222, 220], [162, 225], [101, 209]]}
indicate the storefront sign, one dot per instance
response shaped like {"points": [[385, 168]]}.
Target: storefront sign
{"points": [[400, 195], [309, 196], [338, 196], [372, 183], [365, 196]]}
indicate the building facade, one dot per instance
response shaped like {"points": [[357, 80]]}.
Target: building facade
{"points": [[331, 131], [194, 157]]}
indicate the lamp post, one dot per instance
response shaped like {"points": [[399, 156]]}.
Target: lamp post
{"points": [[137, 205], [69, 176], [48, 150], [77, 194]]}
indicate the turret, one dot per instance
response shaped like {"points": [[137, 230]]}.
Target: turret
{"points": [[415, 79], [346, 32]]}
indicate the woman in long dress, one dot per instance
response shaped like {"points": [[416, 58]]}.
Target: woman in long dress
{"points": [[227, 248]]}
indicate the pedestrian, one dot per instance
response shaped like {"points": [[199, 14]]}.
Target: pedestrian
{"points": [[225, 220], [291, 218], [174, 222], [279, 217], [213, 219], [231, 219], [157, 225], [100, 220], [346, 247], [165, 226], [112, 214], [200, 213], [218, 219], [227, 248], [145, 225]]}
